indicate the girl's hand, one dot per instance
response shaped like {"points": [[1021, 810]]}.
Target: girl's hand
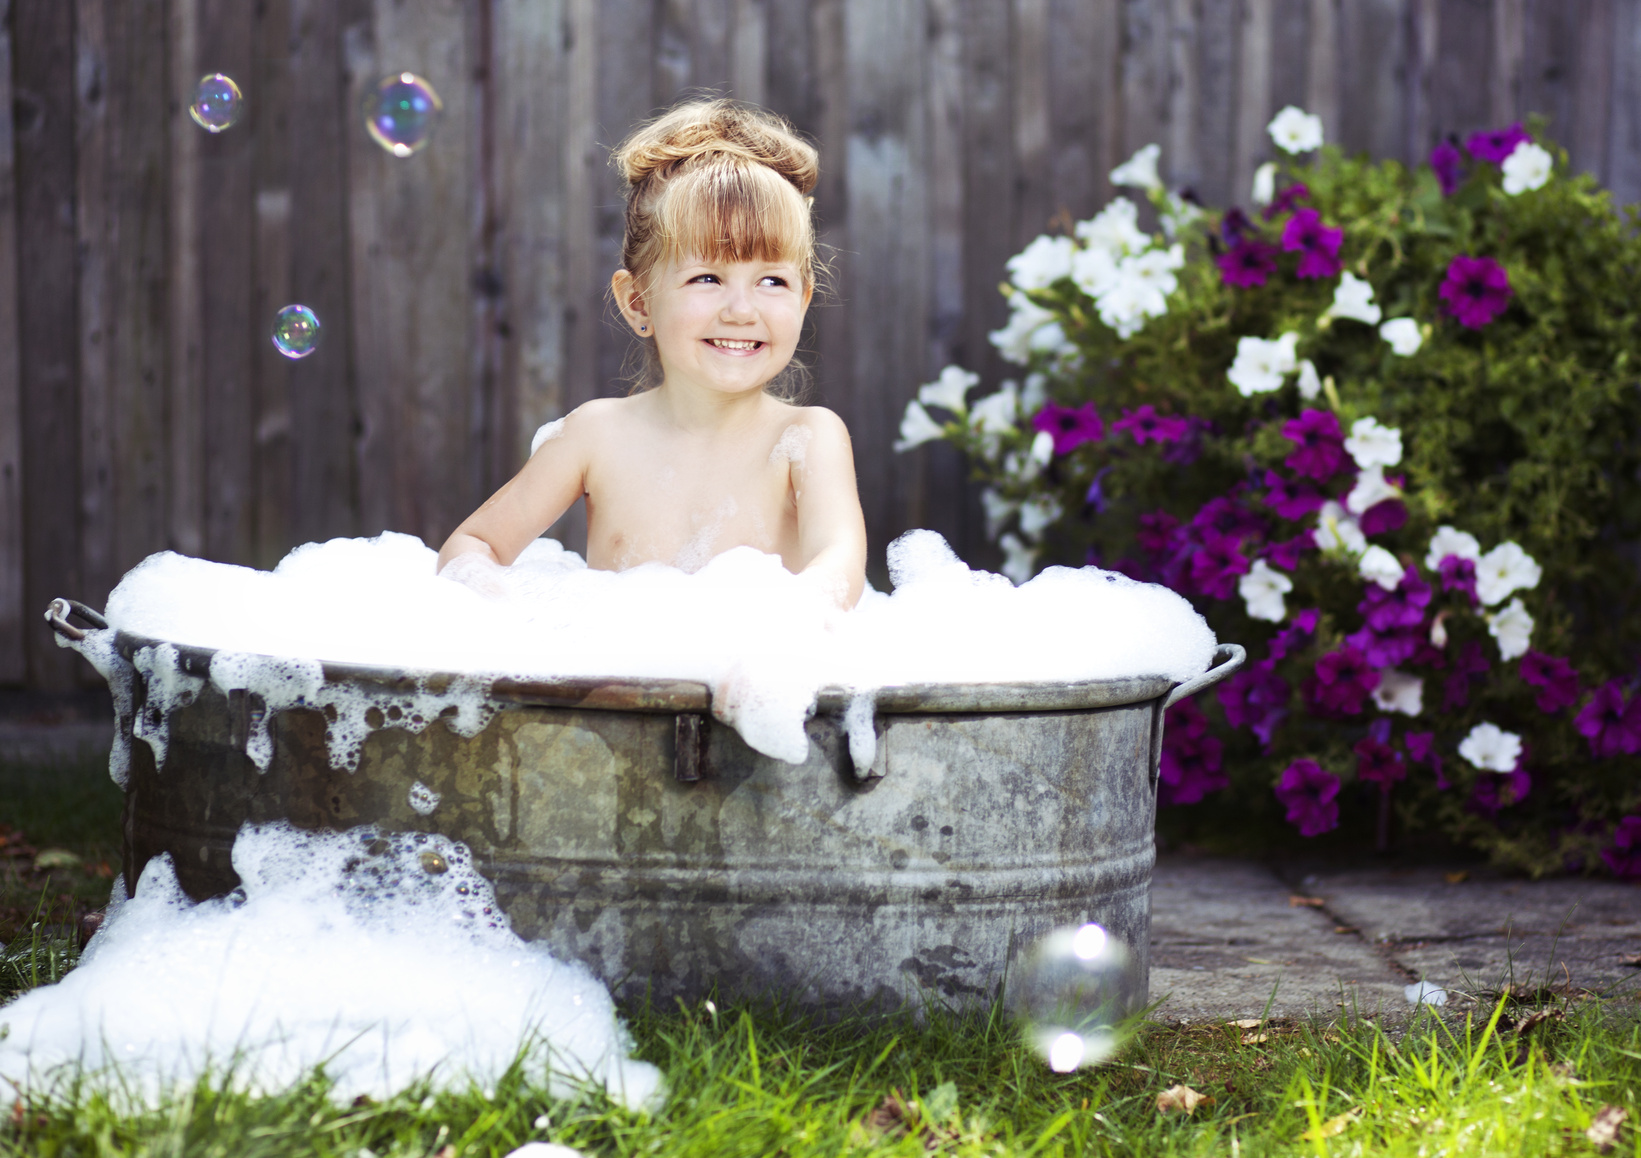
{"points": [[478, 572]]}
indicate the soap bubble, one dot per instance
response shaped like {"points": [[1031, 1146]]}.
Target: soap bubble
{"points": [[400, 112], [1071, 990], [217, 102], [296, 332]]}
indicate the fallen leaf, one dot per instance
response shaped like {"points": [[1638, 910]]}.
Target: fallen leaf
{"points": [[1180, 1097], [1633, 960], [1603, 1131], [1346, 929], [1331, 1127], [1258, 961], [1255, 1038], [1247, 1023], [1535, 1019], [889, 1116], [55, 858], [1457, 878], [1296, 901]]}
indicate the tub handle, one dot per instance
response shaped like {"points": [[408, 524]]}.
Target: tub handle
{"points": [[57, 615], [691, 732], [1227, 658]]}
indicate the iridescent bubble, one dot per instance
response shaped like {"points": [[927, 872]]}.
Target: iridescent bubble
{"points": [[1072, 991], [217, 102], [400, 113], [296, 332]]}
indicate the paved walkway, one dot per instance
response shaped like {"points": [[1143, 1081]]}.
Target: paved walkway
{"points": [[1230, 937]]}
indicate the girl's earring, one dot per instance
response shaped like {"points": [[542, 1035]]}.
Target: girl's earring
{"points": [[643, 329]]}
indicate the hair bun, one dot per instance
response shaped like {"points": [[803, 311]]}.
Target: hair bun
{"points": [[693, 134]]}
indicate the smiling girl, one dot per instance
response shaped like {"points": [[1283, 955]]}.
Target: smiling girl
{"points": [[718, 269]]}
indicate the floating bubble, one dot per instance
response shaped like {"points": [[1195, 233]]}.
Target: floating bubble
{"points": [[217, 102], [433, 864], [1071, 990], [400, 113], [423, 800], [296, 332]]}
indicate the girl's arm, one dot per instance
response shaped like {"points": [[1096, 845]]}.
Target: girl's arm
{"points": [[831, 527], [527, 504]]}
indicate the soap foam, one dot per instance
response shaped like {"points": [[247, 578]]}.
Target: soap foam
{"points": [[384, 957], [763, 639]]}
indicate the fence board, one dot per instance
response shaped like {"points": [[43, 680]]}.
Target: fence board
{"points": [[1599, 48], [1253, 97], [12, 610], [1374, 69], [185, 430], [96, 204], [48, 335], [1623, 170], [277, 32]]}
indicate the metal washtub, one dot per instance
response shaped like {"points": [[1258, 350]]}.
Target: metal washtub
{"points": [[626, 828]]}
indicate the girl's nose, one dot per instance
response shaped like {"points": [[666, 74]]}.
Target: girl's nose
{"points": [[738, 305]]}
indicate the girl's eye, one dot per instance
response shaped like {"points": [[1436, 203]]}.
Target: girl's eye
{"points": [[704, 277], [772, 280]]}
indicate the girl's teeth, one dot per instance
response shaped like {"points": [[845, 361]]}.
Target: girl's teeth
{"points": [[729, 344]]}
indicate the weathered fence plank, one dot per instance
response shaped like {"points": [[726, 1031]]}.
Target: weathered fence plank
{"points": [[279, 34], [185, 427], [12, 610], [96, 207]]}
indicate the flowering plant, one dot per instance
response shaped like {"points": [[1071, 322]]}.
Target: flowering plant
{"points": [[1382, 427]]}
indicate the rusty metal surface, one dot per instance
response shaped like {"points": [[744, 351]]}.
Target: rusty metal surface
{"points": [[972, 833]]}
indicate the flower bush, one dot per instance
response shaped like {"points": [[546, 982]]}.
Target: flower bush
{"points": [[1381, 426]]}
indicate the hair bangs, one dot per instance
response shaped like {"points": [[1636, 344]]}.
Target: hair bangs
{"points": [[729, 211]]}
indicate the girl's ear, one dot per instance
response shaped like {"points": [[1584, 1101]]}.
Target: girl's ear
{"points": [[630, 301]]}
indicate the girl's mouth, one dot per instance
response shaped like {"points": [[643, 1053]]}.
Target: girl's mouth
{"points": [[734, 345]]}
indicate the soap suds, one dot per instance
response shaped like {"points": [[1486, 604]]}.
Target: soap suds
{"points": [[764, 639], [546, 433], [792, 445], [383, 957]]}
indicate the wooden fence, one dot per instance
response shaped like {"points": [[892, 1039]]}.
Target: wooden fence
{"points": [[461, 290]]}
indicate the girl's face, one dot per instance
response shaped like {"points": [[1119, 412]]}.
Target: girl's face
{"points": [[727, 326]]}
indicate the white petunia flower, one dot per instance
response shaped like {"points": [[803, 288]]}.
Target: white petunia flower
{"points": [[1380, 566], [1042, 448], [1295, 131], [1115, 229], [999, 511], [947, 391], [1448, 541], [1371, 444], [1424, 993], [1039, 513], [1264, 190], [1094, 270], [1336, 530], [1262, 590], [1261, 365], [1141, 289], [1019, 559], [1513, 628], [1021, 467], [1177, 214], [996, 413], [1042, 263], [1140, 170], [1527, 168], [1399, 692], [1503, 570], [1310, 383], [916, 427], [1035, 393], [1030, 329], [1370, 490], [1353, 298], [1403, 335], [1490, 748]]}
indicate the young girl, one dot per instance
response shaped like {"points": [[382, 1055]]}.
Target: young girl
{"points": [[718, 268]]}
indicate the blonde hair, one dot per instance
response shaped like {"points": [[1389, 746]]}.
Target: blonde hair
{"points": [[718, 180]]}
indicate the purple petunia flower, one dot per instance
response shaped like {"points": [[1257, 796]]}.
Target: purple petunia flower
{"points": [[1296, 633], [1285, 554], [1234, 226], [1095, 497], [1383, 517], [1321, 451], [1471, 662], [1476, 290], [1496, 145], [1389, 648], [1378, 763], [1291, 500], [1145, 423], [1496, 790], [1318, 244], [1343, 680], [1403, 607], [1421, 746], [1216, 565], [1248, 263], [1189, 448], [1554, 676], [1612, 727], [1448, 162], [1256, 698], [1623, 859], [1286, 200], [1158, 533], [1309, 795], [1191, 759], [1070, 426], [1459, 574], [1227, 518]]}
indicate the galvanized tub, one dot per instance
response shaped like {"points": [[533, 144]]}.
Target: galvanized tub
{"points": [[624, 827]]}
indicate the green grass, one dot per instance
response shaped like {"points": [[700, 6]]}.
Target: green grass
{"points": [[750, 1080]]}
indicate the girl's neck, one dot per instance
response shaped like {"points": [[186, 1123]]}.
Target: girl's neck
{"points": [[698, 409]]}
